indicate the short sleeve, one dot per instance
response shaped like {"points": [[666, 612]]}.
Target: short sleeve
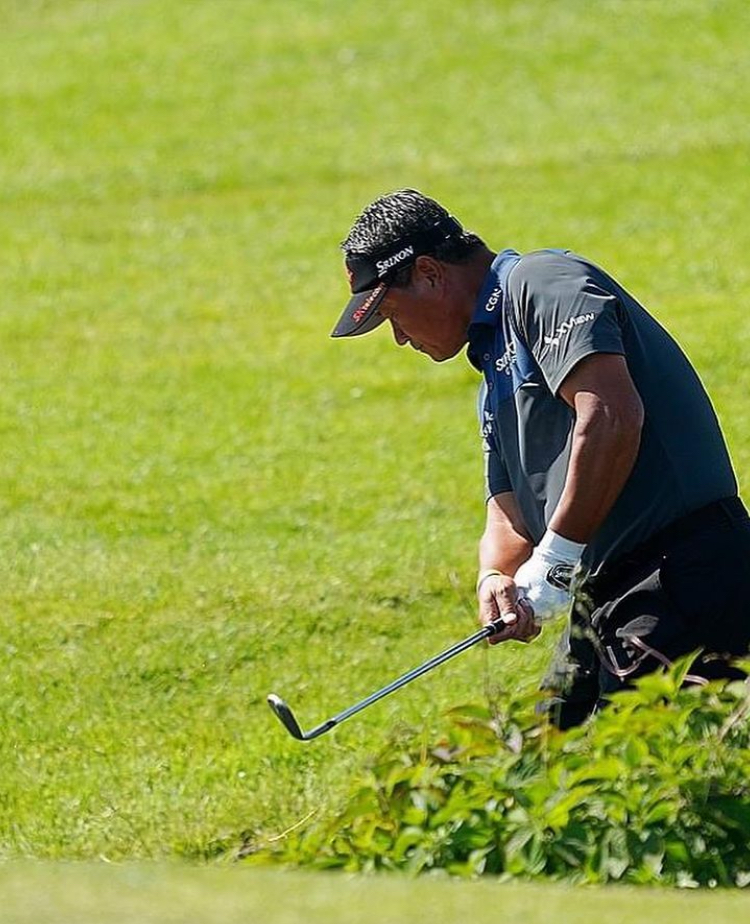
{"points": [[496, 479], [564, 312]]}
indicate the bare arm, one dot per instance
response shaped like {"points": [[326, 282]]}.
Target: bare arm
{"points": [[504, 546], [606, 438], [605, 442]]}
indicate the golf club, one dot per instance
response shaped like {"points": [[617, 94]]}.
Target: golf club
{"points": [[290, 723]]}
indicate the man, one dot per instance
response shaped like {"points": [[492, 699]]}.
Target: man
{"points": [[604, 458]]}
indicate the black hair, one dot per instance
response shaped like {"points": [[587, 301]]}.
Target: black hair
{"points": [[393, 217]]}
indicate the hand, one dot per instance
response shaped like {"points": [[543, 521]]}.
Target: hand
{"points": [[499, 603], [544, 580]]}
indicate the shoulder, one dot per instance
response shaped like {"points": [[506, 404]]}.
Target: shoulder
{"points": [[543, 269]]}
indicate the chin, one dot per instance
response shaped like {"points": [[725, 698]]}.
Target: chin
{"points": [[440, 356]]}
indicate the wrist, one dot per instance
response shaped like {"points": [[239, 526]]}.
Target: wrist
{"points": [[484, 574], [562, 549]]}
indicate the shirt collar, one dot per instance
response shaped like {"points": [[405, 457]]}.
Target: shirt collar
{"points": [[489, 303], [488, 308]]}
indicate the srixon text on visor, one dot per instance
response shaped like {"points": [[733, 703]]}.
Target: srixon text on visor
{"points": [[384, 265]]}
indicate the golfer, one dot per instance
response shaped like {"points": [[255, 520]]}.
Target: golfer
{"points": [[609, 488]]}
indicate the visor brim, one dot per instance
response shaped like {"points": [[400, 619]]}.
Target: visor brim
{"points": [[361, 314]]}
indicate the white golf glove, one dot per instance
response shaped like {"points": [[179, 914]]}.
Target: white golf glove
{"points": [[544, 580]]}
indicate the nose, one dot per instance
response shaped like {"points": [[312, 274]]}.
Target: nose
{"points": [[398, 335]]}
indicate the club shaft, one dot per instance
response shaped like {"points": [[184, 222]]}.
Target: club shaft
{"points": [[404, 679]]}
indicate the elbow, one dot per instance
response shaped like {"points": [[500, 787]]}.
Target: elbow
{"points": [[635, 416], [628, 419]]}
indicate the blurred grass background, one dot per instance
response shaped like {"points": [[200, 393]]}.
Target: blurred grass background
{"points": [[205, 498]]}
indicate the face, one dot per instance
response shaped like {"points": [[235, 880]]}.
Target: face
{"points": [[426, 315]]}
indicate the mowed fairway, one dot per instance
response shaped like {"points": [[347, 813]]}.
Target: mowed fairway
{"points": [[168, 894], [204, 498]]}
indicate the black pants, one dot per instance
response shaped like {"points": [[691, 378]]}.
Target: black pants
{"points": [[686, 589]]}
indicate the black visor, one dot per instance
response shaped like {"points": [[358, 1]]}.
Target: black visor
{"points": [[371, 274]]}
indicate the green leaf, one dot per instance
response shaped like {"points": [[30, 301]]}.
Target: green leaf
{"points": [[662, 811], [557, 811], [606, 768]]}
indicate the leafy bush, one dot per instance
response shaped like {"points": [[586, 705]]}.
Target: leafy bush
{"points": [[655, 789]]}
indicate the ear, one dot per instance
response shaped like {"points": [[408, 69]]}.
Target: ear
{"points": [[429, 272]]}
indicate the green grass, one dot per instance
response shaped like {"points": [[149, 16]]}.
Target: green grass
{"points": [[168, 894], [205, 498]]}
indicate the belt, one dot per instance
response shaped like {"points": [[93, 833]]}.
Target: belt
{"points": [[717, 513]]}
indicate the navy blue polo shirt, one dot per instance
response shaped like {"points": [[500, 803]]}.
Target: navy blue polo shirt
{"points": [[536, 317]]}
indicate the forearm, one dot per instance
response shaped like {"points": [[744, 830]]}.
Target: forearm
{"points": [[502, 550], [504, 546], [604, 448]]}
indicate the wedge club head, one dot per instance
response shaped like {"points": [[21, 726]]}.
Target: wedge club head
{"points": [[285, 716]]}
